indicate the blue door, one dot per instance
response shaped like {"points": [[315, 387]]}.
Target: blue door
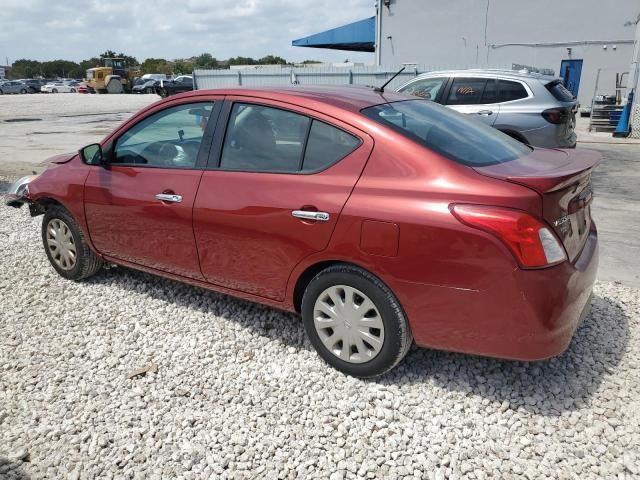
{"points": [[570, 71]]}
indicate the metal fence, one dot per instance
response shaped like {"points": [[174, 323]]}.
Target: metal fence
{"points": [[374, 76]]}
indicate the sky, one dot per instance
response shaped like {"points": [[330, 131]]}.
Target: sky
{"points": [[76, 29]]}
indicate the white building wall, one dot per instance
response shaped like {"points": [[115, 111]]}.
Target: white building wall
{"points": [[487, 33]]}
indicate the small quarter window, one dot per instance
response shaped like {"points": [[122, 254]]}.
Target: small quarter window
{"points": [[511, 91], [326, 146]]}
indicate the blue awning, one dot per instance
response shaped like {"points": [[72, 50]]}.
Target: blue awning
{"points": [[358, 36]]}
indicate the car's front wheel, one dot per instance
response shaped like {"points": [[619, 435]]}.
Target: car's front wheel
{"points": [[66, 246], [355, 322], [23, 91], [73, 90], [55, 90]]}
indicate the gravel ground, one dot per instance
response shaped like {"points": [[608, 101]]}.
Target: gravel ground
{"points": [[237, 391]]}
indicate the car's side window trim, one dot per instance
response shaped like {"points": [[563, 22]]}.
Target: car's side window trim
{"points": [[205, 144], [304, 145], [444, 93], [215, 156], [209, 134]]}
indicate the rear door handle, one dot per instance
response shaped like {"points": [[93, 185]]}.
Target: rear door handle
{"points": [[307, 215], [485, 112], [169, 197]]}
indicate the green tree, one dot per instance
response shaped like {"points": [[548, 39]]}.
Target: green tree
{"points": [[182, 66], [156, 65], [62, 68], [129, 61], [272, 60], [93, 62], [25, 68], [205, 60]]}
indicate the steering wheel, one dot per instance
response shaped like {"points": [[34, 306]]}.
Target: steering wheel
{"points": [[160, 153]]}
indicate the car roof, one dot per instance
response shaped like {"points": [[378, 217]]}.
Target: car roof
{"points": [[351, 98], [487, 72]]}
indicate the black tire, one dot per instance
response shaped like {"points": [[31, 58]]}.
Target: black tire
{"points": [[397, 333], [87, 263], [23, 91], [55, 90], [73, 90], [1, 92], [149, 90], [163, 93]]}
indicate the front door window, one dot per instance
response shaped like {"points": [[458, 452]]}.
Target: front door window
{"points": [[168, 139]]}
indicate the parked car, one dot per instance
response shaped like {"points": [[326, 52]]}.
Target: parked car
{"points": [[383, 220], [33, 84], [58, 87], [145, 86], [181, 84], [534, 109], [13, 86], [82, 88]]}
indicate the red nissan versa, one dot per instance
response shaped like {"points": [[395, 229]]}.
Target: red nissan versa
{"points": [[383, 219]]}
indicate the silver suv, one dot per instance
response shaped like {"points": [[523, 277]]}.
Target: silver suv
{"points": [[534, 109]]}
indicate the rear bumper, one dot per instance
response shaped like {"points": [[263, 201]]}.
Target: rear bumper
{"points": [[527, 315]]}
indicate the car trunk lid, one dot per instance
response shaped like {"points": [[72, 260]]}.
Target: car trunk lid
{"points": [[563, 180]]}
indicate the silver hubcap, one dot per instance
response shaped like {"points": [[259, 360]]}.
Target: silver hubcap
{"points": [[61, 245], [348, 324]]}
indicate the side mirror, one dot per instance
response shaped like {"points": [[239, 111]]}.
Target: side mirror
{"points": [[92, 154]]}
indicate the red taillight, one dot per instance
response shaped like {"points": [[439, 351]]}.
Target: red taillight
{"points": [[531, 241], [556, 116]]}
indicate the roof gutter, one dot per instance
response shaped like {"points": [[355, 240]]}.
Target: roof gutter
{"points": [[562, 44]]}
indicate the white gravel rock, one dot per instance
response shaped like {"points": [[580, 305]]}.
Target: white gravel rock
{"points": [[239, 393]]}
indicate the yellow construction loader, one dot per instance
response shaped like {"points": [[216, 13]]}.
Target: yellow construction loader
{"points": [[113, 77]]}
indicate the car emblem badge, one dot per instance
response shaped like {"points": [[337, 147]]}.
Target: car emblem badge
{"points": [[561, 221]]}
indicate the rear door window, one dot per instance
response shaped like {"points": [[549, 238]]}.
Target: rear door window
{"points": [[428, 88], [264, 139], [268, 139], [509, 90], [466, 91]]}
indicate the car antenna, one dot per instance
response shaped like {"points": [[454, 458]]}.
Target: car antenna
{"points": [[381, 89]]}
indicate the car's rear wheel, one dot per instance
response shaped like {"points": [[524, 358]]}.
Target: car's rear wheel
{"points": [[66, 246], [55, 90], [23, 91], [149, 90], [163, 93], [73, 90], [354, 321]]}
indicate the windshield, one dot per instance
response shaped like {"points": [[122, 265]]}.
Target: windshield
{"points": [[449, 133]]}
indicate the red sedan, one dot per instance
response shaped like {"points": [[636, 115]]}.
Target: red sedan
{"points": [[384, 220]]}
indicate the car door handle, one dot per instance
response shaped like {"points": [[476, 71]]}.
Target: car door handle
{"points": [[169, 197], [307, 215], [485, 112]]}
